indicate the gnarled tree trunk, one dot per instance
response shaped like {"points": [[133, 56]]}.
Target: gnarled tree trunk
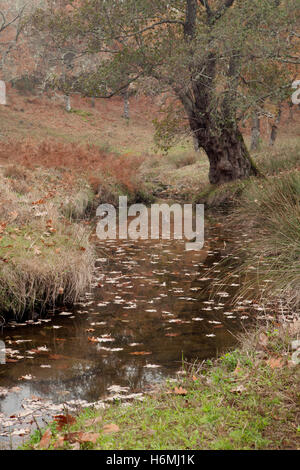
{"points": [[228, 156]]}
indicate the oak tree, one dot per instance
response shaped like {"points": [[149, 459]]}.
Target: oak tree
{"points": [[199, 50]]}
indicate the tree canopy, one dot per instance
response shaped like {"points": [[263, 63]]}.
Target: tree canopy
{"points": [[220, 58]]}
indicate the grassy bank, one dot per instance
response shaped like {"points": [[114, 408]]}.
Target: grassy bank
{"points": [[45, 255], [270, 214], [247, 399]]}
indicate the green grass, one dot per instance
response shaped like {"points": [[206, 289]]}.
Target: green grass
{"points": [[237, 402]]}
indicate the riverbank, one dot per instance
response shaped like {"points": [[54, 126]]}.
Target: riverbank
{"points": [[247, 399], [45, 254]]}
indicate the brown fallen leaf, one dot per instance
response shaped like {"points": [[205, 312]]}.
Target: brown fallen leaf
{"points": [[88, 437], [46, 439], [63, 420], [91, 422], [59, 442], [276, 362], [110, 428], [180, 391], [80, 436]]}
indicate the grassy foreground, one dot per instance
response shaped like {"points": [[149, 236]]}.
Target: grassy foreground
{"points": [[247, 399]]}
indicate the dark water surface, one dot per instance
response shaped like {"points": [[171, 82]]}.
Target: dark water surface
{"points": [[150, 306]]}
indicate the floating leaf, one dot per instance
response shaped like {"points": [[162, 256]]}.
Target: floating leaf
{"points": [[140, 353]]}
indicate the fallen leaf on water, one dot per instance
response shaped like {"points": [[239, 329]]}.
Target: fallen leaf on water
{"points": [[140, 353], [26, 377], [92, 339], [110, 428], [171, 335], [46, 439], [55, 357]]}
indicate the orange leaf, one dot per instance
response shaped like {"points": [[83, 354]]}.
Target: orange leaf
{"points": [[63, 420], [46, 439], [92, 339], [140, 353]]}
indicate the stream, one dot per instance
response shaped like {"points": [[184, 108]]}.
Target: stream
{"points": [[149, 308]]}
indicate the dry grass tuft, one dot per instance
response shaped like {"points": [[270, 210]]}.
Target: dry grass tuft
{"points": [[44, 258]]}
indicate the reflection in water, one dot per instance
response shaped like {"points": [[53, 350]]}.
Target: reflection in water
{"points": [[149, 307]]}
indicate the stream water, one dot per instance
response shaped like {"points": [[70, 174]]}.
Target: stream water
{"points": [[150, 307]]}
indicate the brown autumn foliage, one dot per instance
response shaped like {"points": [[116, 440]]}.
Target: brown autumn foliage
{"points": [[88, 159]]}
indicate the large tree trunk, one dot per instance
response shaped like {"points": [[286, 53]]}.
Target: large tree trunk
{"points": [[228, 156]]}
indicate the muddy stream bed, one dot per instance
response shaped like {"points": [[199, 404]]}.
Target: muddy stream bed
{"points": [[150, 307]]}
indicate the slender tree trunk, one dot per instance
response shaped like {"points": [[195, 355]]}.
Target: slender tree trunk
{"points": [[126, 113], [68, 103], [255, 132], [274, 129], [291, 115]]}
